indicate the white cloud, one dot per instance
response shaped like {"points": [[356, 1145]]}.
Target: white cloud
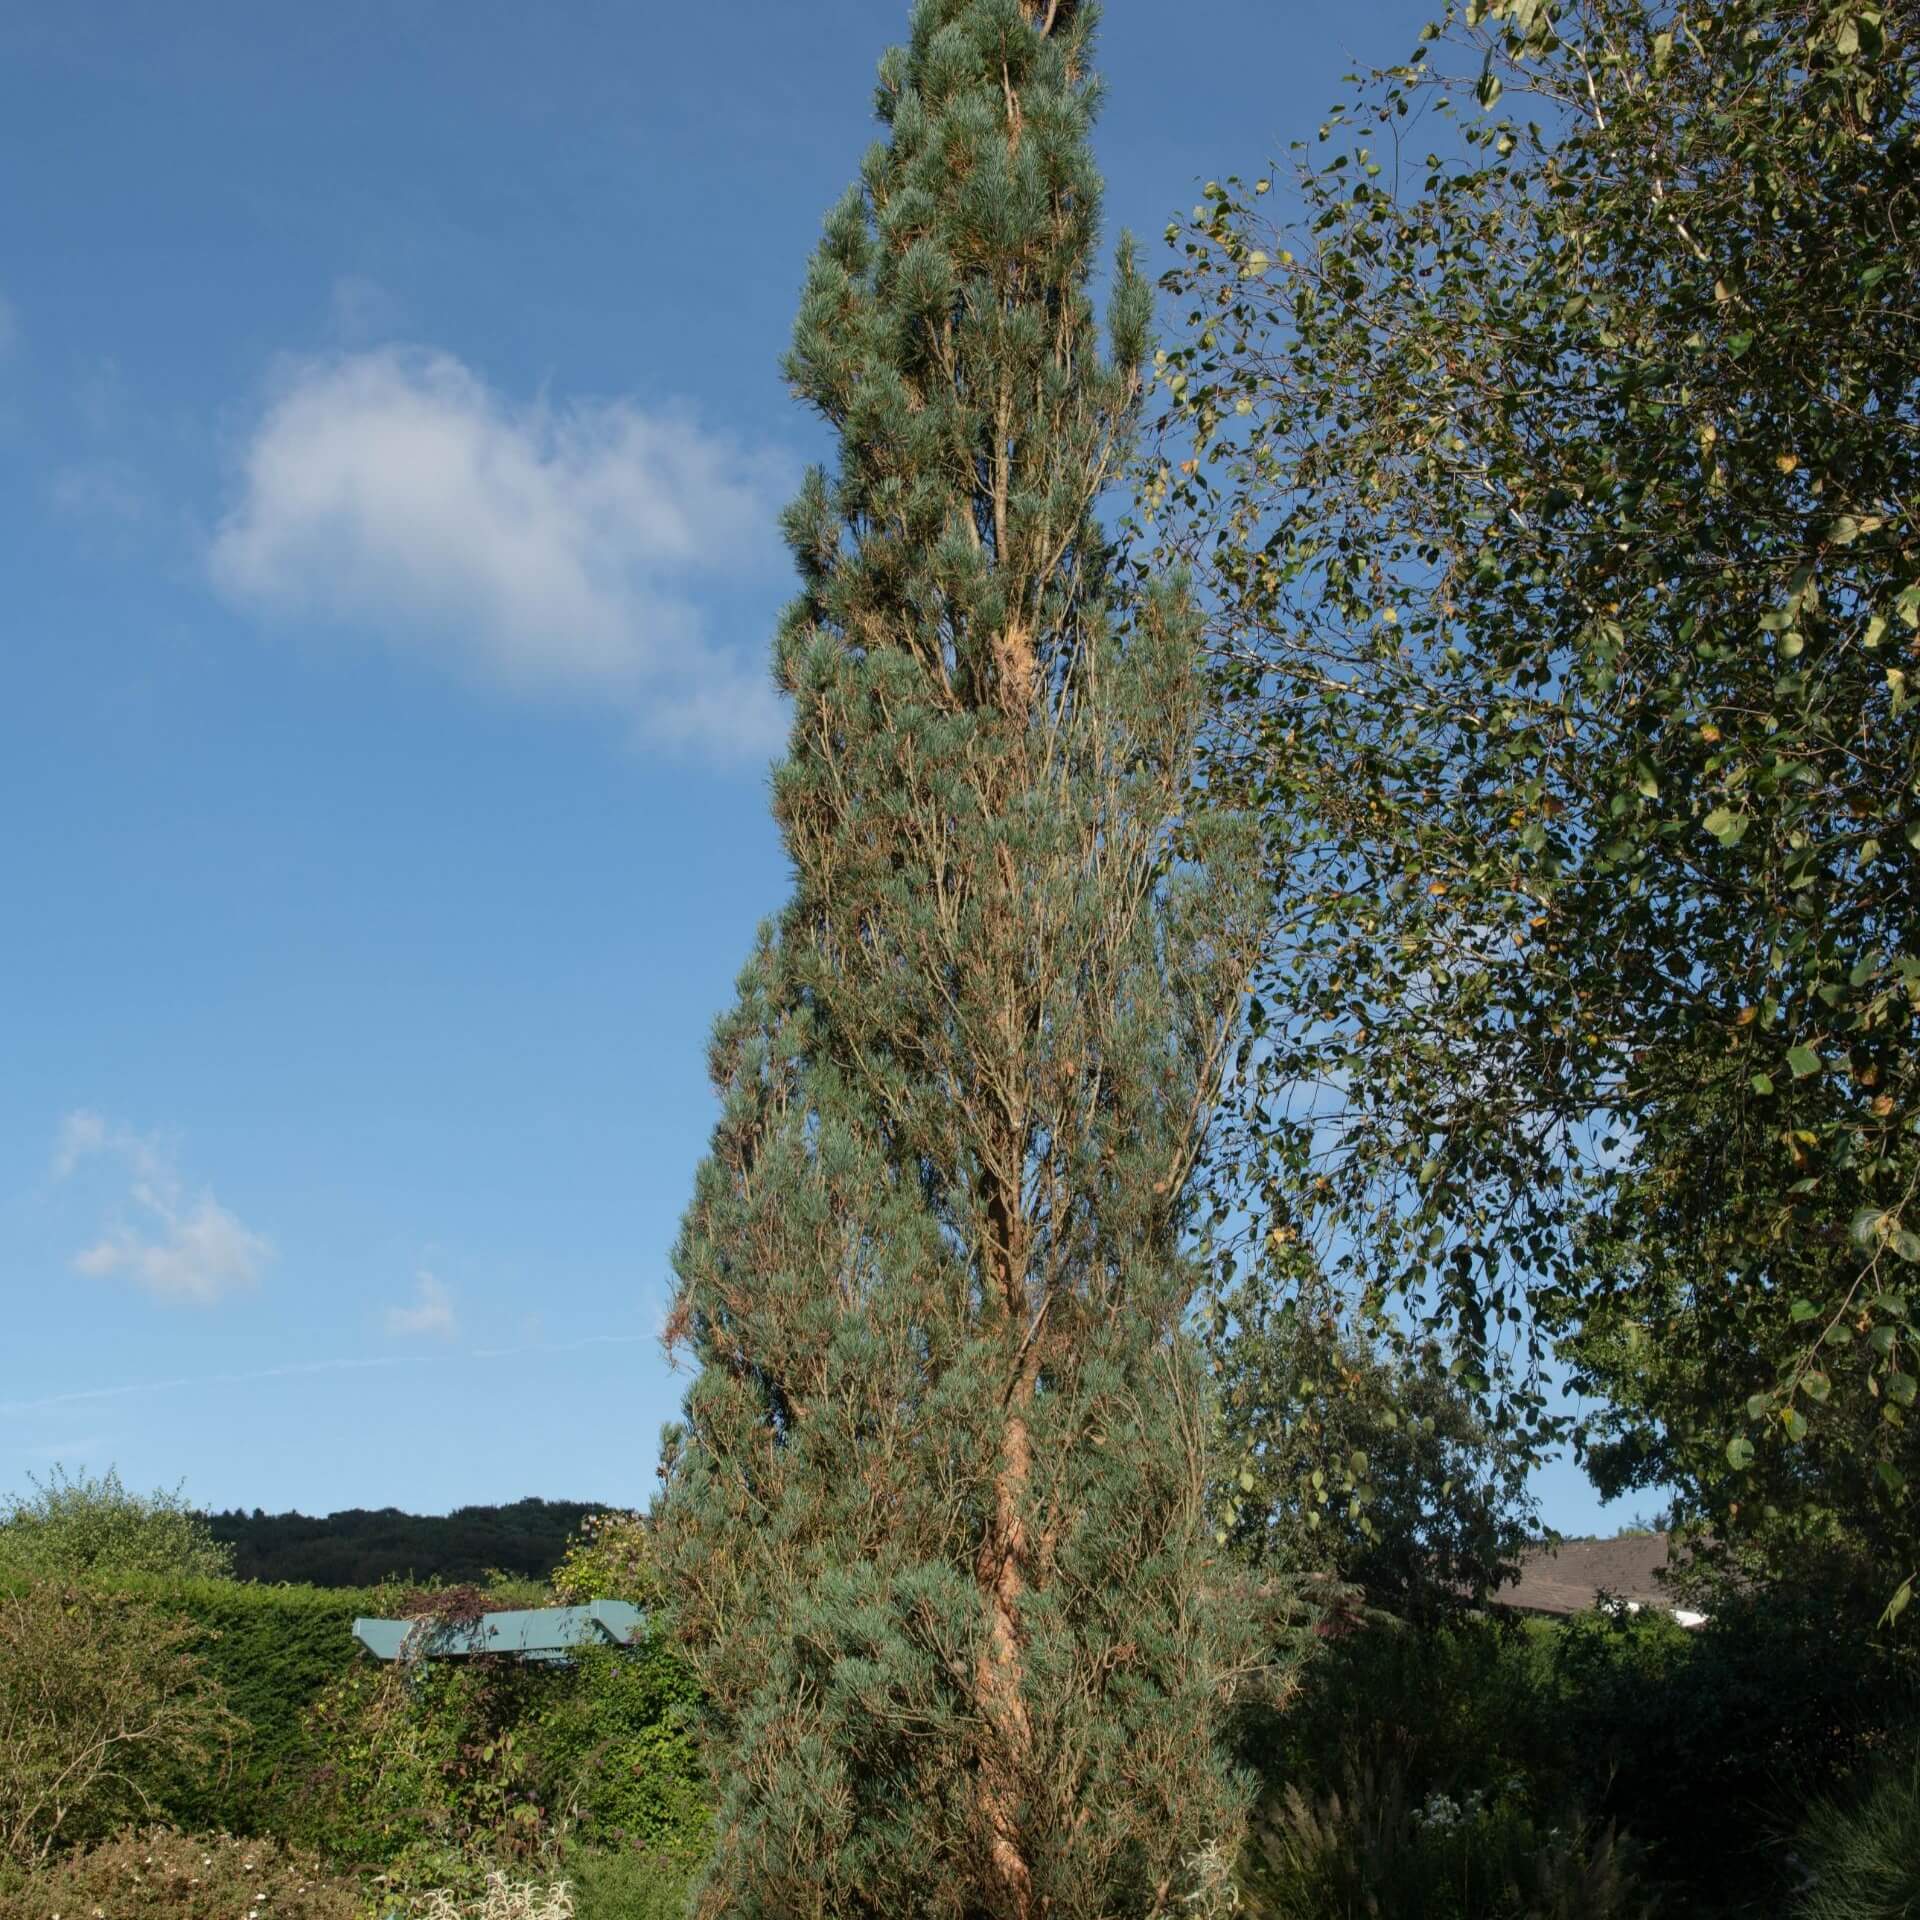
{"points": [[184, 1251], [431, 1312], [538, 547]]}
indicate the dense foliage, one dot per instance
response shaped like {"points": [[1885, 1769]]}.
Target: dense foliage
{"points": [[1674, 1763], [219, 1705], [360, 1548], [1346, 1448], [78, 1527], [102, 1704], [1552, 454], [610, 1558], [934, 1529]]}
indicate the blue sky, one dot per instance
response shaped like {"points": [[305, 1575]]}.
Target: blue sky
{"points": [[390, 443]]}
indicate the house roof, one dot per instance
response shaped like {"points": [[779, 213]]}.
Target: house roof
{"points": [[1570, 1577]]}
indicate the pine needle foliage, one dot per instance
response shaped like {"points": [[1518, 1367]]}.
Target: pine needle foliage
{"points": [[934, 1525]]}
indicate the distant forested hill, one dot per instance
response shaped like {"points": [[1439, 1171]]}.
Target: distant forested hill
{"points": [[359, 1548]]}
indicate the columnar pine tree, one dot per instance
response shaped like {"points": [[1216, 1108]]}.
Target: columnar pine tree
{"points": [[933, 1526]]}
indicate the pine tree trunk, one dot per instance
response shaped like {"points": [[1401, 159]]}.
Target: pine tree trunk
{"points": [[1002, 1570]]}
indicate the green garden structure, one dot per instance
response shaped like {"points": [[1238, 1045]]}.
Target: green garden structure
{"points": [[548, 1635]]}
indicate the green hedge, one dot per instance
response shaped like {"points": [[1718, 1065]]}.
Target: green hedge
{"points": [[335, 1758], [275, 1650]]}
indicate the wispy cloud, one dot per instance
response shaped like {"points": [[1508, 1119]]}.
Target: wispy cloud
{"points": [[298, 1370], [82, 1133], [184, 1250], [538, 547], [430, 1313], [362, 310], [63, 1452], [131, 1389], [108, 489]]}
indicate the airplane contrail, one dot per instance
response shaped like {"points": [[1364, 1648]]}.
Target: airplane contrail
{"points": [[46, 1403]]}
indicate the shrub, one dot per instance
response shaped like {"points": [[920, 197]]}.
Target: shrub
{"points": [[613, 1739], [274, 1650], [499, 1899], [628, 1884], [1864, 1859], [413, 1763], [1776, 1701], [78, 1529], [162, 1875], [1372, 1851], [610, 1558], [103, 1704], [1454, 1707]]}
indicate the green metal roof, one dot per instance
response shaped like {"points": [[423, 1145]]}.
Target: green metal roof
{"points": [[536, 1633]]}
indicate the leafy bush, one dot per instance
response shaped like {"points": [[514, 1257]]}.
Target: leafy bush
{"points": [[103, 1705], [625, 1883], [614, 1740], [1864, 1859], [1457, 1707], [1777, 1700], [499, 1759], [161, 1875], [610, 1558], [79, 1529], [411, 1764]]}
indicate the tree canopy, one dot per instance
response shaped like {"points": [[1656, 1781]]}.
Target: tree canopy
{"points": [[1546, 436]]}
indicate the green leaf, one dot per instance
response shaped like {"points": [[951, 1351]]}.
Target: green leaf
{"points": [[1901, 1388], [1803, 1061], [1740, 1453], [1802, 1310], [1762, 1083], [1898, 1604], [1869, 1227], [1759, 1405], [1816, 1386], [1906, 1243], [1726, 826], [1795, 1422]]}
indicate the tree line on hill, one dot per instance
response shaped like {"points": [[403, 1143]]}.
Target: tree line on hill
{"points": [[361, 1547]]}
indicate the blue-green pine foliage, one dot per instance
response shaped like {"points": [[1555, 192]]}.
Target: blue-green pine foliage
{"points": [[934, 1527]]}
